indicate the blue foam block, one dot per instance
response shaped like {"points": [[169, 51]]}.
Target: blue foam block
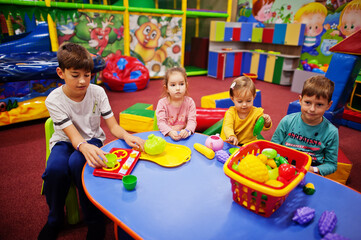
{"points": [[351, 124], [343, 71]]}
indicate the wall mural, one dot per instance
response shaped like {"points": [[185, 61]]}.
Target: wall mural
{"points": [[100, 33], [156, 41], [327, 22]]}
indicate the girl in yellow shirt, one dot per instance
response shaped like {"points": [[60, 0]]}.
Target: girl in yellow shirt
{"points": [[240, 119]]}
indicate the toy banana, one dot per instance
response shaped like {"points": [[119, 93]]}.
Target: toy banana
{"points": [[209, 153]]}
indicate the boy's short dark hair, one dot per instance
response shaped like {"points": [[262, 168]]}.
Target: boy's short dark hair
{"points": [[72, 55], [318, 86]]}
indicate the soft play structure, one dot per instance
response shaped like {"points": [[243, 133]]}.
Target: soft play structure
{"points": [[343, 71], [28, 75], [124, 73]]}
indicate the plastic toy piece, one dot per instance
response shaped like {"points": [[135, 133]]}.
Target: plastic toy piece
{"points": [[172, 156], [154, 145], [286, 171], [209, 153], [271, 163], [263, 158], [129, 182], [327, 222], [111, 160], [110, 169], [304, 215], [258, 128], [274, 183], [309, 189], [333, 236], [214, 142], [252, 167], [222, 156], [125, 162], [269, 152], [273, 173], [232, 150]]}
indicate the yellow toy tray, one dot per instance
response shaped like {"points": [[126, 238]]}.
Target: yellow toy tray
{"points": [[172, 156]]}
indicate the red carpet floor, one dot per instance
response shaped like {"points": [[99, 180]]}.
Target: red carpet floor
{"points": [[22, 151]]}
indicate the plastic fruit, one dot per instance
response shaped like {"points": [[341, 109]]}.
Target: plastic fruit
{"points": [[327, 222], [154, 145], [271, 163], [309, 189], [273, 173], [282, 160], [214, 142], [269, 152], [286, 171], [209, 153], [304, 215], [252, 167], [263, 158], [222, 156], [274, 183]]}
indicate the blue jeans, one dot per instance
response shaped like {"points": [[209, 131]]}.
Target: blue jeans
{"points": [[65, 165]]}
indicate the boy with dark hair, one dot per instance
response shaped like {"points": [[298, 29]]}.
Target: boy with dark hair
{"points": [[76, 108], [309, 131]]}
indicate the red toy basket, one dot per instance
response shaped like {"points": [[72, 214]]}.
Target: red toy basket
{"points": [[258, 197]]}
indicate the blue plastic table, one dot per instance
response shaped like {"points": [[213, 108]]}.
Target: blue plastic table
{"points": [[194, 201]]}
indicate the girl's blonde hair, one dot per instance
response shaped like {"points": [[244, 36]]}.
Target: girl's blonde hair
{"points": [[241, 85], [313, 7], [168, 73]]}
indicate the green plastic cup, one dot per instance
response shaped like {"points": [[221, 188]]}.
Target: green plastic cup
{"points": [[129, 182], [112, 160]]}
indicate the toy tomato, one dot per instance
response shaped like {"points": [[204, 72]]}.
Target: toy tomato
{"points": [[286, 171]]}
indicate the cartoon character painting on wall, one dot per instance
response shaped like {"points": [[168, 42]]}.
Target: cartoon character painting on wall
{"points": [[156, 41], [350, 19], [261, 12], [313, 15], [99, 33]]}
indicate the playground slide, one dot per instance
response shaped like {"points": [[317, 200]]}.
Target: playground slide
{"points": [[38, 40]]}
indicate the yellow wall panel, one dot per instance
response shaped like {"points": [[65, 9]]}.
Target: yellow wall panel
{"points": [[270, 66]]}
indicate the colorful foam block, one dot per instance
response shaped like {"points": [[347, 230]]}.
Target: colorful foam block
{"points": [[343, 71], [137, 118], [343, 171], [222, 100]]}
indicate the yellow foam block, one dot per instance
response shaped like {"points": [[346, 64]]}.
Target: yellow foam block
{"points": [[209, 100], [342, 173], [135, 123]]}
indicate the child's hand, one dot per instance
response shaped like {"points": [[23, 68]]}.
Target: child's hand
{"points": [[93, 155], [174, 135], [184, 133], [135, 142], [267, 120], [232, 140]]}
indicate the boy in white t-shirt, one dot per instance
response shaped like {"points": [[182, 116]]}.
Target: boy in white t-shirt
{"points": [[76, 108]]}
